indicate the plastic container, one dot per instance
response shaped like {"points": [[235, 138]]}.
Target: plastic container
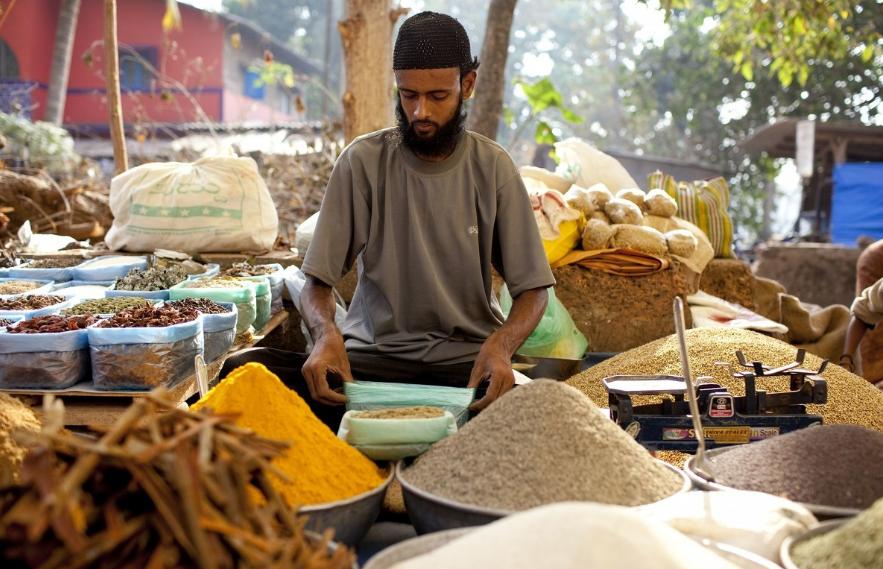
{"points": [[43, 361], [365, 395], [219, 331], [28, 314], [45, 286], [58, 275], [144, 358], [96, 270], [277, 285], [211, 270], [151, 294], [243, 298], [263, 301], [84, 290]]}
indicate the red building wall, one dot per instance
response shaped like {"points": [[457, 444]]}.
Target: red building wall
{"points": [[29, 29]]}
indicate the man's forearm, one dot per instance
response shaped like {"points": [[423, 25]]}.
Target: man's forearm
{"points": [[854, 334], [527, 311], [317, 303]]}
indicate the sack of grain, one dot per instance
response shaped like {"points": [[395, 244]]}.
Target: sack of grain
{"points": [[600, 216], [578, 198], [639, 238], [583, 164], [633, 195], [597, 235], [623, 211], [657, 202], [681, 242], [550, 179]]}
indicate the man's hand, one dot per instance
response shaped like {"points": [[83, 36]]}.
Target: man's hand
{"points": [[493, 364], [328, 357]]}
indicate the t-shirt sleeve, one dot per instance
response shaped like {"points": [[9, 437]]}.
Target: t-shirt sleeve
{"points": [[342, 228], [518, 251], [868, 306]]}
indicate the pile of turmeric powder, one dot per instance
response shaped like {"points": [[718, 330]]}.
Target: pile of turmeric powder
{"points": [[322, 467]]}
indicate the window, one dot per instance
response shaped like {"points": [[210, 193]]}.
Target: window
{"points": [[253, 87], [8, 62], [135, 74]]}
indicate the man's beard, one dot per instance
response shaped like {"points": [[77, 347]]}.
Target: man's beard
{"points": [[441, 144]]}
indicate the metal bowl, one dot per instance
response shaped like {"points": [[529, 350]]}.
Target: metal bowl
{"points": [[331, 547], [432, 513], [559, 369], [820, 511], [414, 547], [791, 542], [352, 518]]}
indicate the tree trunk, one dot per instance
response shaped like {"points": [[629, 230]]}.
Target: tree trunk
{"points": [[112, 78], [61, 60], [366, 34], [484, 117]]}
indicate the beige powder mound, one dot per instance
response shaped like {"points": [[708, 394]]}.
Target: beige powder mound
{"points": [[14, 415]]}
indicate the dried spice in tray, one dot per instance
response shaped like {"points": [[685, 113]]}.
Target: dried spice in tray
{"points": [[4, 322], [203, 305], [246, 269], [107, 305], [34, 302], [216, 282], [153, 279], [58, 263], [149, 317], [52, 324], [18, 287]]}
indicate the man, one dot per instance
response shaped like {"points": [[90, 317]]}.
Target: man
{"points": [[867, 312], [425, 209]]}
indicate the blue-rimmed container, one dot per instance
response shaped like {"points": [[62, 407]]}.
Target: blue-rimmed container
{"points": [[243, 297], [84, 290], [96, 270], [28, 314], [277, 285], [144, 358], [211, 270], [45, 286], [59, 275], [151, 294], [43, 361], [12, 319], [219, 331]]}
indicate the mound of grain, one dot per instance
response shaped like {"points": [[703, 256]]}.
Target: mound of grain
{"points": [[858, 544], [831, 465], [542, 443], [14, 415], [851, 399]]}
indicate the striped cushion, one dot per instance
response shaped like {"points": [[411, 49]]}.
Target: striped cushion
{"points": [[703, 203]]}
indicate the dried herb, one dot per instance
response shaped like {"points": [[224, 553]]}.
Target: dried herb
{"points": [[246, 269], [216, 282], [149, 317], [57, 263], [34, 302], [4, 322], [18, 287], [153, 279], [162, 487], [52, 324], [202, 305], [110, 305]]}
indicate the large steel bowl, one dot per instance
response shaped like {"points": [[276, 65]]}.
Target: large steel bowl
{"points": [[790, 543], [820, 511], [432, 513], [414, 547], [350, 519]]}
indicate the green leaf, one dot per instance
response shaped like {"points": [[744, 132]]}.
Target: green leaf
{"points": [[747, 71], [868, 53], [571, 116], [544, 134], [508, 115], [786, 75], [798, 25], [803, 74]]}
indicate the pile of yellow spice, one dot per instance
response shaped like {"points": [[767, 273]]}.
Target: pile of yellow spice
{"points": [[322, 468]]}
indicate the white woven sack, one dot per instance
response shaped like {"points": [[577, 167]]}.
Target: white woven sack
{"points": [[216, 204]]}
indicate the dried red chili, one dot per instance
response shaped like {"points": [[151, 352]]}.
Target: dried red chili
{"points": [[33, 302]]}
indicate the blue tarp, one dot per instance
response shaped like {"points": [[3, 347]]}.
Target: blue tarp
{"points": [[857, 205]]}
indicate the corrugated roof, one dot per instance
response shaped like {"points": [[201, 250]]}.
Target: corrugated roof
{"points": [[865, 142]]}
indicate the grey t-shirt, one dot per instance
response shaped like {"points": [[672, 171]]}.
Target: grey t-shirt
{"points": [[426, 235]]}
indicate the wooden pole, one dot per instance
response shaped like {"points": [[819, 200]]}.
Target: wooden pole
{"points": [[112, 74]]}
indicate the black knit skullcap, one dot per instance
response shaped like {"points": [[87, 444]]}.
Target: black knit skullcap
{"points": [[430, 40]]}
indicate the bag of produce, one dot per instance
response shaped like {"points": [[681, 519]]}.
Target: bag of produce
{"points": [[144, 348], [218, 203], [372, 395], [47, 352], [394, 434], [223, 289], [585, 165], [14, 286], [556, 336], [639, 238], [273, 272], [107, 268], [218, 324], [82, 289], [33, 305], [57, 270], [263, 298]]}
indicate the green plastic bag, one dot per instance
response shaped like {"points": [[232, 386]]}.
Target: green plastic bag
{"points": [[365, 395], [395, 439], [556, 336]]}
